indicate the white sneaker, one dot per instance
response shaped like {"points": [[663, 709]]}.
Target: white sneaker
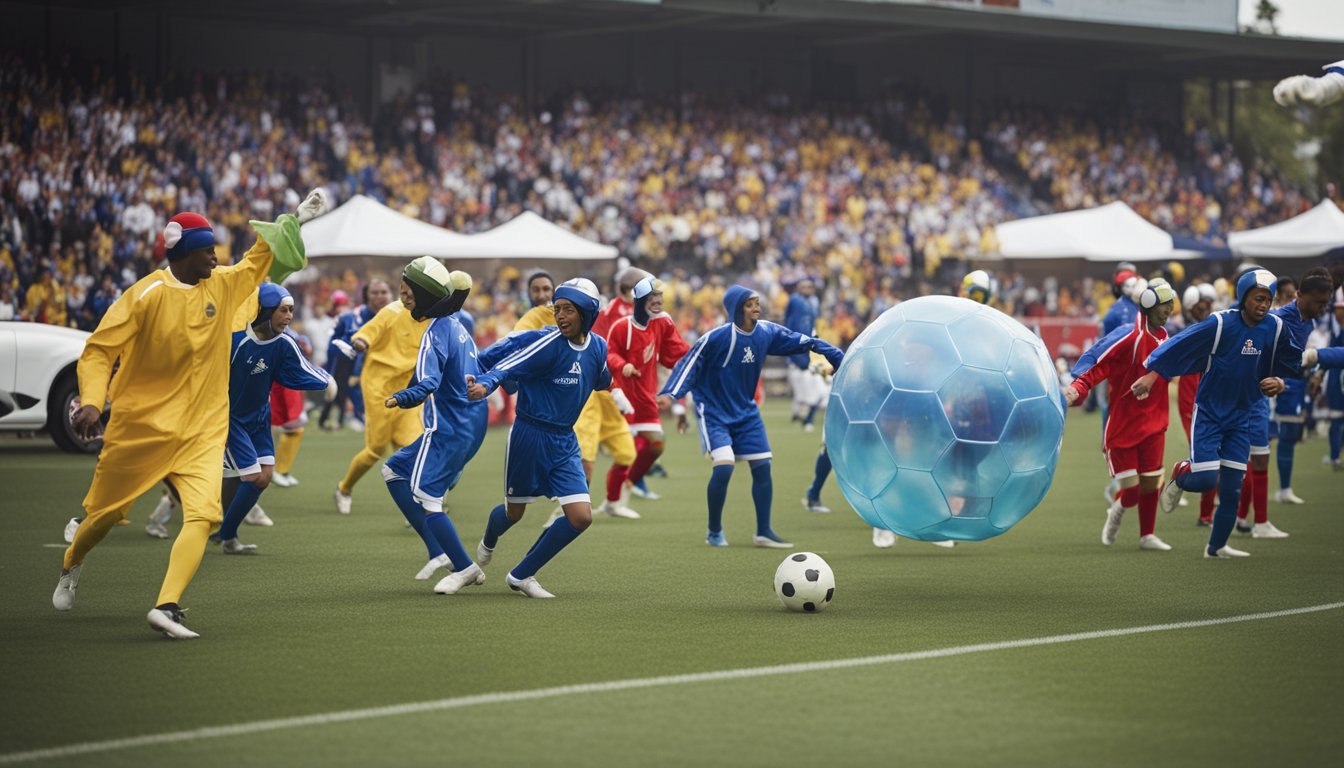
{"points": [[284, 480], [809, 427], [433, 565], [157, 530], [1267, 531], [771, 542], [70, 529], [343, 502], [883, 539], [484, 554], [1152, 542], [169, 622], [63, 599], [815, 505], [1226, 553], [618, 509], [1111, 527], [650, 494], [556, 514], [236, 547], [528, 586], [1182, 502], [355, 425], [1171, 496], [1286, 496], [450, 584], [257, 516], [947, 544]]}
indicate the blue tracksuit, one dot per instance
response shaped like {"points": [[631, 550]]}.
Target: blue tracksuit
{"points": [[253, 365], [1232, 357], [554, 379], [1098, 348], [454, 425], [1120, 315], [722, 370], [800, 316]]}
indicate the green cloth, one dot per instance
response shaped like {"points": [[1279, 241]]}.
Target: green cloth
{"points": [[286, 242]]}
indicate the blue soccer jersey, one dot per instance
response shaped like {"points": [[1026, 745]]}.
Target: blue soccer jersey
{"points": [[554, 376], [254, 364], [1120, 315], [1232, 357], [724, 366]]}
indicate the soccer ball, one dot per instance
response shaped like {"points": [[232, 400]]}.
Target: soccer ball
{"points": [[804, 582], [945, 421]]}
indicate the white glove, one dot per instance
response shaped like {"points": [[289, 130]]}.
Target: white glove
{"points": [[1312, 91], [330, 394], [344, 348], [1309, 358], [622, 402], [317, 203], [678, 409]]}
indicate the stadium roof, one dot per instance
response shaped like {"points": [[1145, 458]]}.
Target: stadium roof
{"points": [[840, 23]]}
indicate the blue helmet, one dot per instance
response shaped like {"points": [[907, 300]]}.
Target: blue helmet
{"points": [[1256, 278], [582, 294], [269, 297]]}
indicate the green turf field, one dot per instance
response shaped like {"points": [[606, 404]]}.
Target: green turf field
{"points": [[326, 619]]}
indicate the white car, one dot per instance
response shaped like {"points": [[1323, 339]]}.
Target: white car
{"points": [[38, 390]]}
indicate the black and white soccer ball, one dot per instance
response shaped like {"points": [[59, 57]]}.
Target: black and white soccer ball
{"points": [[804, 582]]}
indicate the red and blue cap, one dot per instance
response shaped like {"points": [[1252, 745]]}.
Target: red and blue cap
{"points": [[187, 232]]}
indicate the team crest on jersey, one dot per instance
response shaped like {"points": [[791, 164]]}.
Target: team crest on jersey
{"points": [[648, 353], [462, 338], [575, 368], [748, 356], [209, 310], [260, 367], [1249, 349]]}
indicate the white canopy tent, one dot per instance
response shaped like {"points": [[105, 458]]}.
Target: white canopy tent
{"points": [[531, 237], [1309, 234], [363, 226], [1112, 232]]}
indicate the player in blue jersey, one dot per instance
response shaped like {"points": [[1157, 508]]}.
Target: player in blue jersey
{"points": [[1306, 302], [721, 371], [263, 352], [377, 294], [419, 475], [1333, 390], [1241, 353], [809, 388], [555, 370]]}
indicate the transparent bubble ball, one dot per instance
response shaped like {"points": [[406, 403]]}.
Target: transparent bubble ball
{"points": [[945, 421]]}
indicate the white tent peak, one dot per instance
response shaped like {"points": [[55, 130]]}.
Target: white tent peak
{"points": [[529, 236], [1112, 232], [363, 226], [1312, 233]]}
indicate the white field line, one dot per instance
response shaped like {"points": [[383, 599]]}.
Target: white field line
{"points": [[509, 697]]}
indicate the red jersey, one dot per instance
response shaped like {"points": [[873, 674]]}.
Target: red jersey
{"points": [[617, 309], [1185, 399], [1131, 421], [645, 348]]}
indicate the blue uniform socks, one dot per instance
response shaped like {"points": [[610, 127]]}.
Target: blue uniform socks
{"points": [[553, 539], [243, 502], [441, 528], [1289, 434], [718, 493], [496, 526], [414, 513], [762, 494], [822, 472], [1336, 438], [1229, 494]]}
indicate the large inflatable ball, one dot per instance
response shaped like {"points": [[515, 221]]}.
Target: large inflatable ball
{"points": [[945, 421]]}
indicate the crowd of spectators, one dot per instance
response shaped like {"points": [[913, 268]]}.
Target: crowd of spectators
{"points": [[879, 202]]}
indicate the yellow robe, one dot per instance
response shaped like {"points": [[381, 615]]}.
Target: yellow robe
{"points": [[394, 338], [170, 393]]}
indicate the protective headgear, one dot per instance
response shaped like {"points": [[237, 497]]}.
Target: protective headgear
{"points": [[1208, 292], [339, 297], [1134, 288], [270, 297], [1126, 266], [625, 281], [1156, 294], [437, 291], [977, 286], [1191, 297], [582, 294], [735, 301], [187, 232], [643, 290], [1118, 282], [1256, 278]]}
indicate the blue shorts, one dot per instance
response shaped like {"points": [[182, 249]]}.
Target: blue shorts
{"points": [[1292, 401], [434, 462], [1334, 392], [248, 448], [1259, 427], [1215, 443], [742, 440], [541, 463]]}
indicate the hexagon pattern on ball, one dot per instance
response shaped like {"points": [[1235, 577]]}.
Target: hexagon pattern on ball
{"points": [[945, 421], [804, 582]]}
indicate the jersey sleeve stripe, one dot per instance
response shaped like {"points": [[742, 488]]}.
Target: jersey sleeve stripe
{"points": [[527, 352]]}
